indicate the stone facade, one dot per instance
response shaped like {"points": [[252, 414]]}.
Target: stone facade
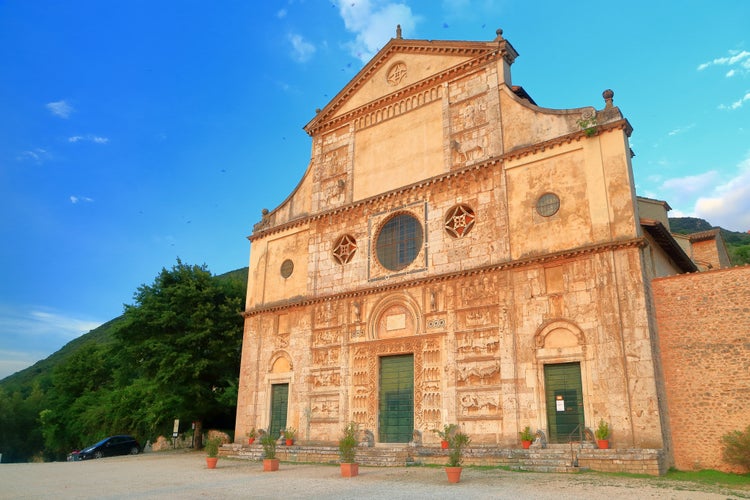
{"points": [[704, 320], [495, 244]]}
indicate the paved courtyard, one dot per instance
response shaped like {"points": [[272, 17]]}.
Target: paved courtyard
{"points": [[183, 474]]}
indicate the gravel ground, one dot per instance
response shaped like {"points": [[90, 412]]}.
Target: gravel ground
{"points": [[183, 474]]}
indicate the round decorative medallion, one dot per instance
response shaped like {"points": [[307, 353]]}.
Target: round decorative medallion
{"points": [[459, 220], [396, 73], [287, 267], [548, 204], [344, 249]]}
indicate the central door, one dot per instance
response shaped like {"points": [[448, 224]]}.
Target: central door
{"points": [[564, 396], [396, 404], [279, 405]]}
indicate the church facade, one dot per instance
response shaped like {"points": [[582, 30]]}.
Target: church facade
{"points": [[456, 253]]}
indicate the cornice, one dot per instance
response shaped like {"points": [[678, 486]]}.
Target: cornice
{"points": [[503, 266]]}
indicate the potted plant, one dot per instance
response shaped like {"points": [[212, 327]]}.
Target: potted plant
{"points": [[347, 449], [212, 452], [526, 437], [251, 435], [602, 435], [445, 434], [289, 434], [456, 443], [270, 462]]}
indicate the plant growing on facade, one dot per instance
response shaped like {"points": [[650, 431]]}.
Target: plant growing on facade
{"points": [[588, 125]]}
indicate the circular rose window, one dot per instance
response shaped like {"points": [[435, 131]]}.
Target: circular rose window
{"points": [[399, 242]]}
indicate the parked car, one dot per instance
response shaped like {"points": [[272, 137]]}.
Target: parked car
{"points": [[111, 446]]}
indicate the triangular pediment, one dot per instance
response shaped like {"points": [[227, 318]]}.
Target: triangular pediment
{"points": [[400, 66]]}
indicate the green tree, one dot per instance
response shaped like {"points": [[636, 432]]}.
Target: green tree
{"points": [[183, 339]]}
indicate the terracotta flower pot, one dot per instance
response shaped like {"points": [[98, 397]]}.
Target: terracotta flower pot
{"points": [[526, 444], [453, 473], [289, 442], [211, 462], [250, 440], [602, 444], [270, 464], [349, 469], [444, 444]]}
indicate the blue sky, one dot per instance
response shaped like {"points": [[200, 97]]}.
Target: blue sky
{"points": [[136, 132]]}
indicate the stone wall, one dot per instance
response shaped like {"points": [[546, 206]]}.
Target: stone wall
{"points": [[703, 322]]}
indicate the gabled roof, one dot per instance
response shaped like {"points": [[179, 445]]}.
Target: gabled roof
{"points": [[664, 239], [469, 50]]}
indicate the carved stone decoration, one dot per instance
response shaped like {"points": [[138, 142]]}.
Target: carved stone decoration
{"points": [[476, 373], [344, 249], [481, 289], [327, 314], [324, 408], [326, 337], [365, 366], [281, 341], [396, 315], [479, 343], [558, 334], [459, 220], [396, 73], [325, 379], [479, 405], [328, 357]]}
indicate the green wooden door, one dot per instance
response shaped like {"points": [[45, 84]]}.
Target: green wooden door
{"points": [[279, 403], [396, 405], [564, 396]]}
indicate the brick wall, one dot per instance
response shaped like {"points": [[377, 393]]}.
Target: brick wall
{"points": [[704, 334]]}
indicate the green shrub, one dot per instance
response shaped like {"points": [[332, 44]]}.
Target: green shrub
{"points": [[348, 443], [737, 447], [212, 447]]}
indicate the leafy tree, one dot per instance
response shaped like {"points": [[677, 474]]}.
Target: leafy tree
{"points": [[183, 339]]}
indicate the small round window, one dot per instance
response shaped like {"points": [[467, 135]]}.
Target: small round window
{"points": [[399, 242], [287, 268], [344, 249], [548, 204], [459, 220]]}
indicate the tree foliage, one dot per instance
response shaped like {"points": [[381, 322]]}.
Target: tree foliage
{"points": [[175, 353]]}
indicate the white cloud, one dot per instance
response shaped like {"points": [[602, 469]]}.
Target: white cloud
{"points": [[737, 104], [76, 199], [737, 58], [681, 130], [28, 334], [60, 108], [89, 138], [302, 50], [690, 184], [728, 205], [373, 23], [281, 14], [37, 155]]}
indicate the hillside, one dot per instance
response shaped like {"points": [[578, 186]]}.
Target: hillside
{"points": [[41, 371]]}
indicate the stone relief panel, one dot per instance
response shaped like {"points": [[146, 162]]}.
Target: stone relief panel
{"points": [[325, 379], [469, 147], [324, 408], [479, 405], [333, 191], [481, 289], [326, 337], [328, 357], [479, 343], [327, 314], [472, 319], [477, 373], [469, 114]]}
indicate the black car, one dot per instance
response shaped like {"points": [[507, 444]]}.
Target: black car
{"points": [[108, 447]]}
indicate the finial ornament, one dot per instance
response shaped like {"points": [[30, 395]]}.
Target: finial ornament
{"points": [[608, 95], [398, 31], [499, 33]]}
